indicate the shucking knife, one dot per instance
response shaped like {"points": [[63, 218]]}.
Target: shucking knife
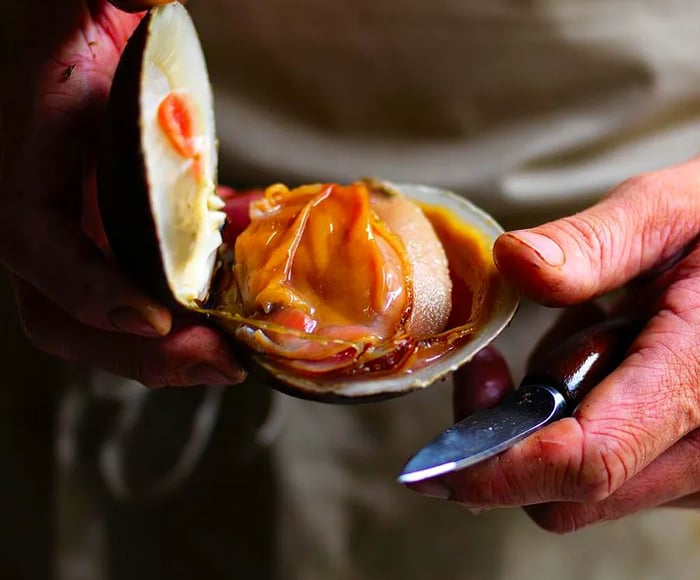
{"points": [[549, 392]]}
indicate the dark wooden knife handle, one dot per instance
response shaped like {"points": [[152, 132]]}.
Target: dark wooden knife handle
{"points": [[584, 359]]}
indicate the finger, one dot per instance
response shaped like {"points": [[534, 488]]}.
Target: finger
{"points": [[642, 294], [191, 354], [692, 500], [140, 5], [74, 49], [641, 409], [41, 238], [237, 213], [569, 322], [672, 479], [486, 380], [641, 224], [69, 270], [225, 192], [480, 384]]}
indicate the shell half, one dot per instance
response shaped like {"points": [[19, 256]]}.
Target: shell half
{"points": [[501, 306]]}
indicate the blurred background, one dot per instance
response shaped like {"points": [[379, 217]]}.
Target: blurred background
{"points": [[530, 109]]}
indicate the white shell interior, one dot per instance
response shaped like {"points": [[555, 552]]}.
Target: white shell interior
{"points": [[186, 209]]}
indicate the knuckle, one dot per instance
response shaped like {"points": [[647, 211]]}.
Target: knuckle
{"points": [[558, 518], [634, 228], [559, 463], [613, 454], [597, 484], [678, 381], [658, 190], [149, 373], [665, 217], [84, 311], [591, 234], [682, 301], [595, 239], [668, 354], [642, 183]]}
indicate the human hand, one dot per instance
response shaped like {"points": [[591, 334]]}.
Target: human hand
{"points": [[74, 302], [633, 443]]}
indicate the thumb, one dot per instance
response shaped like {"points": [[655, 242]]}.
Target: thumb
{"points": [[640, 225]]}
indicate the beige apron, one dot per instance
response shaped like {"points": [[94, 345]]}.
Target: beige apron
{"points": [[520, 106], [527, 107], [517, 104]]}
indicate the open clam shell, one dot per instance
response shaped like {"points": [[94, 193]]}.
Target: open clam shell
{"points": [[162, 216]]}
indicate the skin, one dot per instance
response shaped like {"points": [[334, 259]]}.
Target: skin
{"points": [[632, 444], [94, 313]]}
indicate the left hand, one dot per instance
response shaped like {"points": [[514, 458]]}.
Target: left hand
{"points": [[633, 443], [73, 299]]}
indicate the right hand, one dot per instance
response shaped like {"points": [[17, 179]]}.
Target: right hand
{"points": [[74, 301]]}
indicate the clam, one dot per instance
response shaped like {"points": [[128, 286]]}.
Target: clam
{"points": [[335, 292]]}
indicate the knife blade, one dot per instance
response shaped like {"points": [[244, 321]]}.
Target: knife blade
{"points": [[549, 392]]}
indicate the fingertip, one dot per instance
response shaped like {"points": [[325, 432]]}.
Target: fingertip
{"points": [[147, 320], [534, 264], [434, 488], [237, 211], [541, 247], [481, 383], [225, 192], [211, 358], [159, 317], [520, 265]]}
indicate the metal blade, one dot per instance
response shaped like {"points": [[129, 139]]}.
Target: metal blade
{"points": [[486, 433]]}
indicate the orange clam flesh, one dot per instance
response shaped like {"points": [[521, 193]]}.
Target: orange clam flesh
{"points": [[331, 281]]}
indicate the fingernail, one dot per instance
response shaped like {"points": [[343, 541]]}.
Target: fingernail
{"points": [[158, 317], [545, 247], [203, 374], [477, 511], [432, 488], [130, 320]]}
